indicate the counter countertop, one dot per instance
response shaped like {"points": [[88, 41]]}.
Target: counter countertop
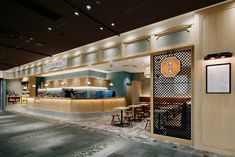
{"points": [[75, 99]]}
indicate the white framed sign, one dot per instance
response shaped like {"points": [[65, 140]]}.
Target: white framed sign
{"points": [[218, 78]]}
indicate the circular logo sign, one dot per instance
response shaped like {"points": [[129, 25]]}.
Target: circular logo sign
{"points": [[170, 67]]}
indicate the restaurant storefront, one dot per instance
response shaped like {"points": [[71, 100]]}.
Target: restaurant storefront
{"points": [[177, 80]]}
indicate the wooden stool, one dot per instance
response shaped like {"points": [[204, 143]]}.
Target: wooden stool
{"points": [[113, 118], [128, 118], [148, 123]]}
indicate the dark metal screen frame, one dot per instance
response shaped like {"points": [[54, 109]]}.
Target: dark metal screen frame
{"points": [[191, 49]]}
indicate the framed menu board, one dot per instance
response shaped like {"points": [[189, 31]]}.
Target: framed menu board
{"points": [[218, 78]]}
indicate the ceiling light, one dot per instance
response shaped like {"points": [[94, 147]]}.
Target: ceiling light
{"points": [[88, 7], [108, 44], [49, 28], [31, 39], [76, 13], [46, 85], [129, 60], [101, 28], [112, 24]]}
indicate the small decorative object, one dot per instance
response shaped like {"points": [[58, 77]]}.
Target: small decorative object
{"points": [[170, 67], [218, 78], [147, 72]]}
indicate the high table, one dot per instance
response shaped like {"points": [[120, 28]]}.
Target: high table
{"points": [[121, 109]]}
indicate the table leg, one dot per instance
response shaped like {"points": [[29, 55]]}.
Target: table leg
{"points": [[121, 118]]}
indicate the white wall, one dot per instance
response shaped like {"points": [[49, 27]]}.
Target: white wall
{"points": [[14, 85]]}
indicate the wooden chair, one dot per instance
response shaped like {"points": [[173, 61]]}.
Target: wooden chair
{"points": [[139, 113], [117, 116], [148, 123], [180, 125]]}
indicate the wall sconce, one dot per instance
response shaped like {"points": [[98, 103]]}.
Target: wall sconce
{"points": [[111, 84], [218, 55]]}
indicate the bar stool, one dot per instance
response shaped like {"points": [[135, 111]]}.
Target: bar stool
{"points": [[148, 123], [113, 118], [128, 117]]}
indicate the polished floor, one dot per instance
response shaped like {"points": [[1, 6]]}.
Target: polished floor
{"points": [[28, 136]]}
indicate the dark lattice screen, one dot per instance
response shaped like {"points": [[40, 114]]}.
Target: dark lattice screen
{"points": [[172, 97]]}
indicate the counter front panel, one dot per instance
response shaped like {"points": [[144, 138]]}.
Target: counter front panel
{"points": [[75, 105]]}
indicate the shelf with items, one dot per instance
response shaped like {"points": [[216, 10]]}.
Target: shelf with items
{"points": [[13, 99], [28, 86]]}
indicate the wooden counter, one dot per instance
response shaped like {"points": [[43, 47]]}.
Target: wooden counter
{"points": [[75, 105]]}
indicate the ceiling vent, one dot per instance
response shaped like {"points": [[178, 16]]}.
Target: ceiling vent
{"points": [[9, 34]]}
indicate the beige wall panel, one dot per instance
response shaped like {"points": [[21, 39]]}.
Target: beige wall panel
{"points": [[217, 110], [136, 92]]}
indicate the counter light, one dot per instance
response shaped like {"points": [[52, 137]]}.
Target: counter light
{"points": [[218, 55]]}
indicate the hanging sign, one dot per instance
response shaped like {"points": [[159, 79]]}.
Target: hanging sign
{"points": [[59, 64], [170, 67]]}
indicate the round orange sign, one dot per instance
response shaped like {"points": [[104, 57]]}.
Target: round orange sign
{"points": [[170, 67]]}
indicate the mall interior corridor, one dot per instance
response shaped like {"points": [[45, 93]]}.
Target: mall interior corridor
{"points": [[27, 136]]}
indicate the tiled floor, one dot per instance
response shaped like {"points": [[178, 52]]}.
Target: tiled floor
{"points": [[30, 136]]}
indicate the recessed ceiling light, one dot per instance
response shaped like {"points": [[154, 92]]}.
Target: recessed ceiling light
{"points": [[88, 7], [112, 24], [49, 28], [76, 13], [101, 28]]}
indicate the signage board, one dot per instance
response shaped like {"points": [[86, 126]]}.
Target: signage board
{"points": [[170, 67], [52, 66]]}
